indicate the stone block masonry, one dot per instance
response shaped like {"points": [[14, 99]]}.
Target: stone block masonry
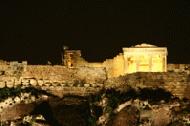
{"points": [[61, 73], [57, 80], [177, 83], [179, 68], [84, 80], [139, 58]]}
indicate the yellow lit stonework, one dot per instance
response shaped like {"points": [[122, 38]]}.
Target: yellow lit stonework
{"points": [[158, 64], [139, 58], [145, 58]]}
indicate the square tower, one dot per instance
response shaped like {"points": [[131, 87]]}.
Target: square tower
{"points": [[71, 58]]}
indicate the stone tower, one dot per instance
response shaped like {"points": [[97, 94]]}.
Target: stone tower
{"points": [[71, 58]]}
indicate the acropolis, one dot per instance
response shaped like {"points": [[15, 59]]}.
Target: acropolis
{"points": [[140, 74]]}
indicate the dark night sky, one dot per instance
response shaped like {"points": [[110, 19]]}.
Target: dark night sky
{"points": [[36, 31]]}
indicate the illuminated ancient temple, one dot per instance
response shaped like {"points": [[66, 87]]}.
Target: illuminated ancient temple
{"points": [[139, 58], [145, 58]]}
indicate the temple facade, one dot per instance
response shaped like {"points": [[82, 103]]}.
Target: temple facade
{"points": [[145, 58]]}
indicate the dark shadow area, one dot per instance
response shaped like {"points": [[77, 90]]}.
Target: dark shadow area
{"points": [[117, 97], [45, 110], [128, 116], [69, 111], [154, 95]]}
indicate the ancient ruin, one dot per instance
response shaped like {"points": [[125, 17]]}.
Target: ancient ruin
{"points": [[62, 79], [139, 58], [141, 67], [145, 58]]}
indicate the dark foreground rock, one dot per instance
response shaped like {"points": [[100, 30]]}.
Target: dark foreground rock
{"points": [[55, 112], [128, 116]]}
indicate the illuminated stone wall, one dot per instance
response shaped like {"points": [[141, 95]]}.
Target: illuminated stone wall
{"points": [[140, 58], [60, 80], [179, 68], [115, 66], [145, 58]]}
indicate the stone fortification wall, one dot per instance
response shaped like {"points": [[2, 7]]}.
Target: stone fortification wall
{"points": [[179, 68], [115, 66], [57, 80], [55, 73], [177, 84], [61, 73], [4, 68], [12, 68], [60, 80], [57, 88]]}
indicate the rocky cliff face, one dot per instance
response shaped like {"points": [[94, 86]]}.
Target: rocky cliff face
{"points": [[143, 107], [177, 83]]}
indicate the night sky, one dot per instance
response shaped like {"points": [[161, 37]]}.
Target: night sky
{"points": [[36, 31]]}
